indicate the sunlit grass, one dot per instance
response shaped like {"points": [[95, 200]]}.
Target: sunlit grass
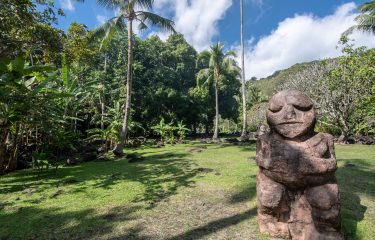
{"points": [[174, 193]]}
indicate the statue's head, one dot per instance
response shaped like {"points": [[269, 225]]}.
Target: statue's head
{"points": [[291, 114]]}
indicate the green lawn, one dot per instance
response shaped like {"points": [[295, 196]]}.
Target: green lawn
{"points": [[176, 193]]}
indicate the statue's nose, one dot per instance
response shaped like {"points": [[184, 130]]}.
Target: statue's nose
{"points": [[289, 112]]}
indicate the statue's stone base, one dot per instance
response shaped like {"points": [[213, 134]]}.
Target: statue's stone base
{"points": [[307, 214]]}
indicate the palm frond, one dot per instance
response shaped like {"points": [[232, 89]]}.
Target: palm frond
{"points": [[111, 4], [231, 66], [142, 26], [349, 30], [365, 20], [107, 30], [367, 7], [203, 58], [204, 77], [366, 24], [230, 53], [156, 20], [143, 4]]}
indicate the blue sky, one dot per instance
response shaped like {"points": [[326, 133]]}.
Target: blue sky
{"points": [[278, 33]]}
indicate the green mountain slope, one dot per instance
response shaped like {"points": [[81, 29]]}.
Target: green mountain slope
{"points": [[269, 85]]}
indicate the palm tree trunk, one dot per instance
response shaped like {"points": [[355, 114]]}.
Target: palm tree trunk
{"points": [[124, 130], [244, 134], [216, 131]]}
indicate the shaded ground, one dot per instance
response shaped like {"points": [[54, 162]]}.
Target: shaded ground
{"points": [[189, 191]]}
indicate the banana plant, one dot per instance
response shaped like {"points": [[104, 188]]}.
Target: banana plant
{"points": [[25, 95], [181, 130]]}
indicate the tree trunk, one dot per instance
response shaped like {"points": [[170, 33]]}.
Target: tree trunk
{"points": [[244, 134], [194, 129], [344, 135], [216, 131], [345, 131], [3, 148], [12, 162], [102, 100], [124, 130]]}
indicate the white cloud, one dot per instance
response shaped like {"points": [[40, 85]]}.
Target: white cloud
{"points": [[101, 19], [67, 4], [302, 38], [195, 19], [162, 35]]}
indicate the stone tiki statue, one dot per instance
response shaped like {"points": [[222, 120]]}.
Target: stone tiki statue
{"points": [[298, 196]]}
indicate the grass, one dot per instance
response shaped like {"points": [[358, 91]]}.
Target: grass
{"points": [[177, 192]]}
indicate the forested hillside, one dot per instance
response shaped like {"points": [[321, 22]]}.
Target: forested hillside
{"points": [[341, 88], [269, 85]]}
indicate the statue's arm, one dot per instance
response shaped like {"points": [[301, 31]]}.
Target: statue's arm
{"points": [[315, 165], [263, 156]]}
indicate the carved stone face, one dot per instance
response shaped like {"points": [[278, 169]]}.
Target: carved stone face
{"points": [[291, 113]]}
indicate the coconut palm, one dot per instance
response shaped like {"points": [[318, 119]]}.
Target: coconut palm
{"points": [[128, 12], [244, 134], [365, 20], [220, 65]]}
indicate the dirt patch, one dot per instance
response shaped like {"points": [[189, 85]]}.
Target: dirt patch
{"points": [[133, 158], [196, 149], [71, 180], [110, 216], [57, 193], [348, 164], [205, 170]]}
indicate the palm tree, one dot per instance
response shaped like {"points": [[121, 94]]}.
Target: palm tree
{"points": [[130, 11], [219, 66], [244, 134], [365, 20]]}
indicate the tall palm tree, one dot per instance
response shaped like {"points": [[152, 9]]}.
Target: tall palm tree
{"points": [[365, 20], [244, 134], [219, 66], [128, 12]]}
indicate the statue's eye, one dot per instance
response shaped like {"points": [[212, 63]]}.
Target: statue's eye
{"points": [[303, 108], [275, 109]]}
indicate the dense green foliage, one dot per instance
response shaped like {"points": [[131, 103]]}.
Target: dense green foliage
{"points": [[219, 70], [129, 11], [67, 88]]}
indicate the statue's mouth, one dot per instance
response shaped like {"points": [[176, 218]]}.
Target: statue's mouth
{"points": [[289, 123]]}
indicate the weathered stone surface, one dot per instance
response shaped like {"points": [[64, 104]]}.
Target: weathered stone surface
{"points": [[297, 192]]}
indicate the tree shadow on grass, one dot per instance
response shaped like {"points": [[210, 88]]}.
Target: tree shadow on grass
{"points": [[244, 195], [55, 223], [216, 225], [161, 175], [354, 180], [39, 181]]}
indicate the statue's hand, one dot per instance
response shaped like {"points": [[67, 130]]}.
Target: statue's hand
{"points": [[315, 165]]}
